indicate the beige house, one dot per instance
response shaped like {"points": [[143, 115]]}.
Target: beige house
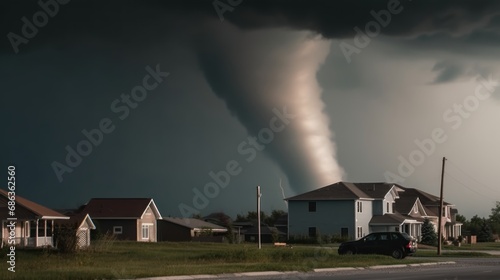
{"points": [[34, 223], [82, 223], [126, 218]]}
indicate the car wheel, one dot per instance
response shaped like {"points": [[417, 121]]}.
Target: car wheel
{"points": [[349, 251], [397, 254]]}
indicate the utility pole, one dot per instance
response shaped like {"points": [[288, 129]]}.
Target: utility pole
{"points": [[440, 218], [259, 194]]}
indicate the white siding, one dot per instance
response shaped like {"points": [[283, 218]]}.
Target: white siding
{"points": [[363, 218]]}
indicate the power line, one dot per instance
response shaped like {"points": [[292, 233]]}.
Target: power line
{"points": [[464, 185], [471, 177]]}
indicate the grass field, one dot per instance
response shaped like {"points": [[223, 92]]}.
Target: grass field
{"points": [[119, 260], [478, 246]]}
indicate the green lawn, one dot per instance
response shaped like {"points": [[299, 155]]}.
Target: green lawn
{"points": [[132, 260], [478, 246]]}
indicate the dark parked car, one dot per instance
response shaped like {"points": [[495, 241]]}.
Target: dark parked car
{"points": [[396, 244]]}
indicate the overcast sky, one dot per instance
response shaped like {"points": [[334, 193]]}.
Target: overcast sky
{"points": [[196, 103]]}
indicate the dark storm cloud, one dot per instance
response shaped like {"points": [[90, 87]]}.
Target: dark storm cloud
{"points": [[448, 71], [140, 22]]}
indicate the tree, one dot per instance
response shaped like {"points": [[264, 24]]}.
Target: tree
{"points": [[429, 235], [484, 234], [275, 215], [494, 219], [251, 217], [474, 226]]}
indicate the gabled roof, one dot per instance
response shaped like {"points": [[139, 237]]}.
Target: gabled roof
{"points": [[347, 191], [120, 208], [405, 205], [194, 223], [27, 209], [78, 219], [426, 199], [388, 219]]}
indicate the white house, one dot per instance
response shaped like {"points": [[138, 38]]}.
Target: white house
{"points": [[353, 210]]}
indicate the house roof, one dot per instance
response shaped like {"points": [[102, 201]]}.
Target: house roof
{"points": [[119, 208], [426, 199], [78, 219], [405, 204], [388, 219], [346, 191], [194, 223], [218, 218], [27, 209]]}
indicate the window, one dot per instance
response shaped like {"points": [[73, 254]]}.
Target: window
{"points": [[394, 236], [416, 208], [388, 208], [312, 232], [371, 237], [117, 230], [145, 231], [360, 232], [360, 206], [396, 229], [312, 206]]}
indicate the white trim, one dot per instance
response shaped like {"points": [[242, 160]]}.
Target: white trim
{"points": [[148, 227], [154, 209], [53, 218]]}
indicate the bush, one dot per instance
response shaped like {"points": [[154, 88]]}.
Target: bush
{"points": [[65, 238], [429, 235]]}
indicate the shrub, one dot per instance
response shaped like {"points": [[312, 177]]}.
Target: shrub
{"points": [[429, 235]]}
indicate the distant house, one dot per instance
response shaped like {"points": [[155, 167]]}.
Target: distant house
{"points": [[353, 210], [281, 223], [82, 223], [189, 229], [34, 226], [268, 234], [127, 218], [218, 218]]}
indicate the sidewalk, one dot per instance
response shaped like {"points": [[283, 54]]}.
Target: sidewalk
{"points": [[290, 273]]}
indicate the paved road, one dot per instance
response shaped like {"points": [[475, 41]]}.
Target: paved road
{"points": [[447, 269], [464, 269]]}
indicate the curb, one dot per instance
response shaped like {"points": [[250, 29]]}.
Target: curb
{"points": [[336, 269], [274, 273]]}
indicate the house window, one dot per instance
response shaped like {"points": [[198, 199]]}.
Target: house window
{"points": [[360, 232], [388, 209], [312, 232], [312, 206], [145, 231], [416, 209], [117, 230], [360, 207]]}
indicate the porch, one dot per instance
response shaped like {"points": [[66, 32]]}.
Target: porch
{"points": [[29, 233]]}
